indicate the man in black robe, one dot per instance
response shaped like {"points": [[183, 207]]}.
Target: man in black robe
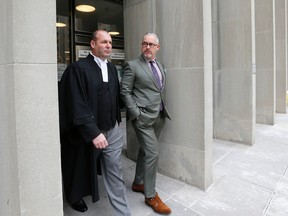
{"points": [[89, 118]]}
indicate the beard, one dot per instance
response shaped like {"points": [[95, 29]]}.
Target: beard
{"points": [[148, 55]]}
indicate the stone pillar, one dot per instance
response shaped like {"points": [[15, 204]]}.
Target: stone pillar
{"points": [[286, 19], [234, 71], [265, 78], [184, 29], [286, 32], [280, 37], [30, 177]]}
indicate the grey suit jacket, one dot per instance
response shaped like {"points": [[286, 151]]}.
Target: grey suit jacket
{"points": [[140, 93]]}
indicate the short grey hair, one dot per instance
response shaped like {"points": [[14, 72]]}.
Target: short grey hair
{"points": [[152, 34]]}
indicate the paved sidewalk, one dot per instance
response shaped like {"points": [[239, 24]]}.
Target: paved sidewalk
{"points": [[248, 181]]}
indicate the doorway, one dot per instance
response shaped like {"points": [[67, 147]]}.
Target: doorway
{"points": [[74, 29]]}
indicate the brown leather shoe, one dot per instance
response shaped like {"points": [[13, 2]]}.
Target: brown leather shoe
{"points": [[138, 188], [157, 205]]}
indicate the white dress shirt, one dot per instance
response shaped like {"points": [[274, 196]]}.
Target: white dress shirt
{"points": [[103, 65]]}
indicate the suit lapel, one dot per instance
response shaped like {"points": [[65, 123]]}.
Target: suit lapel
{"points": [[112, 76], [148, 71]]}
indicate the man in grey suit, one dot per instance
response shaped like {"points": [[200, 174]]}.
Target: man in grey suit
{"points": [[143, 92]]}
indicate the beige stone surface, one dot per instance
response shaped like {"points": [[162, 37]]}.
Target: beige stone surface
{"points": [[234, 71], [29, 133], [280, 54]]}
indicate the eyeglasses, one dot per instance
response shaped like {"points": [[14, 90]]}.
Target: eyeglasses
{"points": [[145, 44]]}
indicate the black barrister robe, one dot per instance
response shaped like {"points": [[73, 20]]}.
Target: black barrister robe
{"points": [[78, 105]]}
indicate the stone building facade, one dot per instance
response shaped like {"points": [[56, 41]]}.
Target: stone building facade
{"points": [[226, 62]]}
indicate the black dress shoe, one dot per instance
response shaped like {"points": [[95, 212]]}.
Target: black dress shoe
{"points": [[80, 206]]}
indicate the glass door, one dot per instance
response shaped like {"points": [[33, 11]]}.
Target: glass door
{"points": [[75, 27]]}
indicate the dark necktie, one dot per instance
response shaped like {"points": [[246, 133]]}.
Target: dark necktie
{"points": [[155, 73]]}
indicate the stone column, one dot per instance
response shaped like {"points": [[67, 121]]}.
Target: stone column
{"points": [[280, 40], [234, 71], [265, 78], [286, 32], [29, 135], [184, 29]]}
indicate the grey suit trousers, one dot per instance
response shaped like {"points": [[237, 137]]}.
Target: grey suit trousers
{"points": [[111, 172], [147, 159]]}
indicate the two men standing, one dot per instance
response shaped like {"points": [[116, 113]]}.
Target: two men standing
{"points": [[89, 118]]}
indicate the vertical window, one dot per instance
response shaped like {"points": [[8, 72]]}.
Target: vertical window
{"points": [[63, 36], [73, 38], [108, 15]]}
